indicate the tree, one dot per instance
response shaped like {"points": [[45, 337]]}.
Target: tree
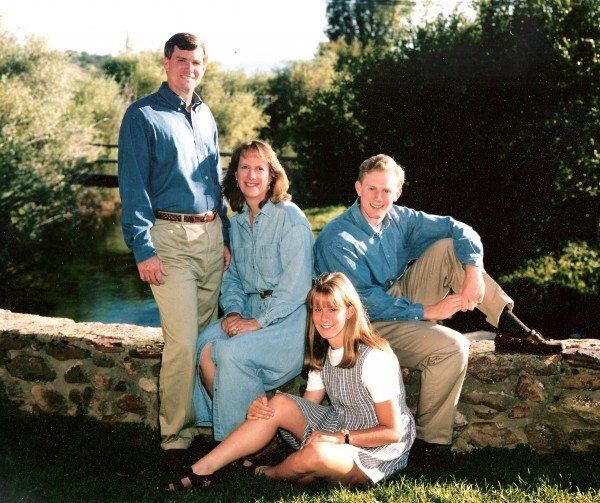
{"points": [[366, 21]]}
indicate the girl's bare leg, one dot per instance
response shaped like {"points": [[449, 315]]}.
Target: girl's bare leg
{"points": [[206, 369], [252, 435], [325, 460]]}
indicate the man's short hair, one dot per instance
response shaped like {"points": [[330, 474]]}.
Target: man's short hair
{"points": [[185, 42], [381, 162]]}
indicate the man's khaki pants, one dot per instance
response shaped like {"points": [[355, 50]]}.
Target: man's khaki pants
{"points": [[440, 353], [187, 301]]}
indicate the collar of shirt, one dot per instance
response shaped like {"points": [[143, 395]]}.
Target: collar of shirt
{"points": [[361, 221], [267, 210], [174, 100]]}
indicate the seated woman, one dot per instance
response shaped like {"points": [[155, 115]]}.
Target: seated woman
{"points": [[366, 432], [259, 343]]}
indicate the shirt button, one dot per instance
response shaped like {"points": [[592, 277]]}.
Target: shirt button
{"points": [[206, 177]]}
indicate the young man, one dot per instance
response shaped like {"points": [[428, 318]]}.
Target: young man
{"points": [[175, 222], [404, 263]]}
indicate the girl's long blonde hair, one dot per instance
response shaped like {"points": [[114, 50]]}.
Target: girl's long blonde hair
{"points": [[338, 291]]}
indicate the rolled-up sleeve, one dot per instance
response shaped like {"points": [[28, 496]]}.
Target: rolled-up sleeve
{"points": [[426, 228], [380, 306], [233, 298], [134, 170], [296, 248]]}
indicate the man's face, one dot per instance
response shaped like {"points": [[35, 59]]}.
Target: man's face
{"points": [[377, 191], [184, 69]]}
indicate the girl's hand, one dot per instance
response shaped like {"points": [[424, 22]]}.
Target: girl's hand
{"points": [[241, 325], [259, 409], [325, 436]]}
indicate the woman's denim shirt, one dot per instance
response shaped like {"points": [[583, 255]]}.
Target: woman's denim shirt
{"points": [[275, 253]]}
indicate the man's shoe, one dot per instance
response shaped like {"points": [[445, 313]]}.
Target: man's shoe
{"points": [[534, 343], [176, 461], [201, 446]]}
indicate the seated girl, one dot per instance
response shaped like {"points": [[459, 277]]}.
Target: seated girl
{"points": [[366, 432]]}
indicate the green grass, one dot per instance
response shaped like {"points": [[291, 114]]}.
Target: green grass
{"points": [[51, 458], [319, 217]]}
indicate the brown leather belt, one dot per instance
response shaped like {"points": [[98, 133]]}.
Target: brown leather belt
{"points": [[209, 216], [265, 294]]}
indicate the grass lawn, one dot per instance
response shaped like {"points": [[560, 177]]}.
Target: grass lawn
{"points": [[52, 458]]}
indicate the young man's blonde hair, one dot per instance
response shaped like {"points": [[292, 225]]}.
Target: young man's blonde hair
{"points": [[381, 162]]}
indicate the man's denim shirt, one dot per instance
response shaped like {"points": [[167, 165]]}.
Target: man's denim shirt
{"points": [[374, 261], [168, 161], [275, 253]]}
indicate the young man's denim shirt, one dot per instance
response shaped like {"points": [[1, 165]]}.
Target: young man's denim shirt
{"points": [[373, 261], [276, 254], [168, 161]]}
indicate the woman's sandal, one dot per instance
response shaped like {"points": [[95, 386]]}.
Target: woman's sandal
{"points": [[195, 482]]}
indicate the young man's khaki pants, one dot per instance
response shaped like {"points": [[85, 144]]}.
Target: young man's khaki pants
{"points": [[192, 254], [440, 353]]}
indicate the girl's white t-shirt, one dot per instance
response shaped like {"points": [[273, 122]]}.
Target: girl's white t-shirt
{"points": [[379, 374]]}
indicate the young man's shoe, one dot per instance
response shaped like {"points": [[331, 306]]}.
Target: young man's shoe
{"points": [[176, 461], [427, 455], [534, 343]]}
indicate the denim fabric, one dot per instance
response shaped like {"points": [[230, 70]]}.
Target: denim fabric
{"points": [[276, 253], [168, 161], [374, 261]]}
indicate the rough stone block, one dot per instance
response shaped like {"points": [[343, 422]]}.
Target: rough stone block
{"points": [[497, 401], [30, 368], [460, 421], [483, 434], [147, 352], [49, 400], [108, 345], [104, 361], [529, 389], [542, 365], [76, 375], [520, 412], [584, 406], [9, 340], [580, 381], [545, 437], [121, 386], [101, 381], [485, 413], [583, 440], [63, 351], [583, 357], [492, 368], [132, 403], [148, 385]]}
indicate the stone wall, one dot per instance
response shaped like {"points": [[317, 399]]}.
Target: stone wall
{"points": [[110, 372]]}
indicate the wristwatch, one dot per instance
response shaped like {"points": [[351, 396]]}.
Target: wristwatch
{"points": [[346, 434]]}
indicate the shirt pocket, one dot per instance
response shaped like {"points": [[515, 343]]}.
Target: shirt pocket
{"points": [[243, 262], [268, 261]]}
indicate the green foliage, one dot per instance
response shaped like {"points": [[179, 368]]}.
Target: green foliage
{"points": [[238, 115], [138, 73], [366, 21], [575, 267], [496, 122], [51, 111]]}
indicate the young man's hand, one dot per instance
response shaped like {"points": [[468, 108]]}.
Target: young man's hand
{"points": [[152, 270], [445, 308], [473, 288]]}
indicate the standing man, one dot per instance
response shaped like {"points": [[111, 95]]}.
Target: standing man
{"points": [[175, 222], [404, 263]]}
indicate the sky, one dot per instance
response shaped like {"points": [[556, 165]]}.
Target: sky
{"points": [[247, 34]]}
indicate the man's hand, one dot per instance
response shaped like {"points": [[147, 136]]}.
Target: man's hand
{"points": [[228, 320], [473, 288], [152, 270], [445, 308], [241, 325], [226, 257], [259, 409], [325, 436]]}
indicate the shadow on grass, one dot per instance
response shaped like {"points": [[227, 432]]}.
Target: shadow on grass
{"points": [[54, 458]]}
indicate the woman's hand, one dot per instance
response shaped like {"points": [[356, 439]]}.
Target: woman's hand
{"points": [[228, 320], [241, 325], [325, 436], [259, 409]]}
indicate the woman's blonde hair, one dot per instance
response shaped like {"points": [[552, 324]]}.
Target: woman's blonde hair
{"points": [[338, 291], [278, 188]]}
